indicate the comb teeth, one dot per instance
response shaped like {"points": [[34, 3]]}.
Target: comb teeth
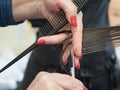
{"points": [[46, 29], [58, 21]]}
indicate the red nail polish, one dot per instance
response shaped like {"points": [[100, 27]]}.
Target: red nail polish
{"points": [[65, 62], [73, 21], [85, 88], [41, 42], [78, 66], [80, 56]]}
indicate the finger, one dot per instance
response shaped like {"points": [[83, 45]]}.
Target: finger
{"points": [[69, 8], [43, 81], [54, 39], [53, 86], [66, 50], [65, 55], [52, 5], [78, 88], [77, 36], [67, 77], [47, 14], [77, 63], [55, 80], [67, 82]]}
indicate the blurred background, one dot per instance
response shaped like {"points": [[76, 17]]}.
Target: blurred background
{"points": [[15, 39]]}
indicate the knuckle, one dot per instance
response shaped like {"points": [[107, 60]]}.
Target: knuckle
{"points": [[67, 76], [77, 51], [74, 9], [42, 76], [57, 2]]}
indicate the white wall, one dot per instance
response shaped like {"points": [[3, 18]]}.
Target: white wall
{"points": [[13, 40], [16, 37]]}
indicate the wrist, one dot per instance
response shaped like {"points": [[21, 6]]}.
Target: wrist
{"points": [[25, 9]]}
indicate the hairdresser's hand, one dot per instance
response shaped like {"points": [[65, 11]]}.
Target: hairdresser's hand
{"points": [[33, 9], [76, 40], [28, 9], [55, 81]]}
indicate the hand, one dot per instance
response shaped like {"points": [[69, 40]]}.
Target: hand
{"points": [[33, 9], [55, 81], [76, 40]]}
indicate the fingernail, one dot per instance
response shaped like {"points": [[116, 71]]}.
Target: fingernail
{"points": [[73, 21], [65, 62], [80, 56], [78, 66], [85, 88], [41, 42]]}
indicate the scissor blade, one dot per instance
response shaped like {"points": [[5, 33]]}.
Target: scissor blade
{"points": [[73, 64]]}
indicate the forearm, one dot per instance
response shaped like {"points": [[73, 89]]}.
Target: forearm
{"points": [[25, 9]]}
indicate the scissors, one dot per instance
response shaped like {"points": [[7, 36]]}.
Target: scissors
{"points": [[73, 63]]}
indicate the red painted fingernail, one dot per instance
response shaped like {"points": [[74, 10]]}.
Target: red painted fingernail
{"points": [[80, 56], [85, 88], [78, 66], [73, 21], [41, 42], [65, 62]]}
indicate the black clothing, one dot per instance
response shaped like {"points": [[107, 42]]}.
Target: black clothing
{"points": [[95, 13], [93, 72]]}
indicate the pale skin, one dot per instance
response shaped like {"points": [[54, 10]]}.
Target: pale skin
{"points": [[55, 39], [55, 81]]}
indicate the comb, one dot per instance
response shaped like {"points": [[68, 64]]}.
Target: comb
{"points": [[50, 27]]}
